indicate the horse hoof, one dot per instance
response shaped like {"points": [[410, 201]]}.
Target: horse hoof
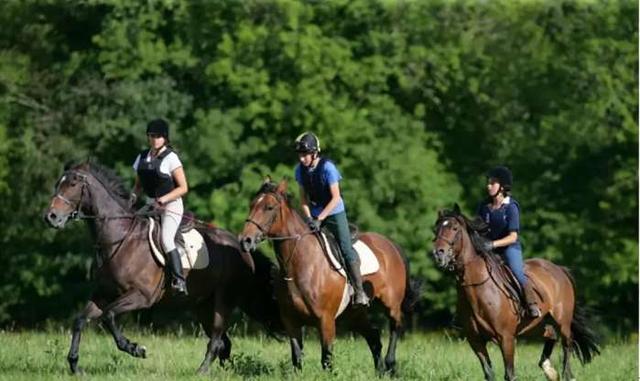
{"points": [[142, 352]]}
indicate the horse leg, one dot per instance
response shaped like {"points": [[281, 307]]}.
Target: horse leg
{"points": [[225, 353], [218, 328], [297, 347], [90, 311], [567, 341], [327, 335], [362, 325], [131, 301], [545, 358], [507, 346], [479, 347], [395, 325]]}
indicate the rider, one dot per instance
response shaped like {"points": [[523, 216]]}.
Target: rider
{"points": [[502, 213], [322, 204], [161, 176]]}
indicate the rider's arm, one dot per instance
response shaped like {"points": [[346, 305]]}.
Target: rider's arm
{"points": [[304, 203], [181, 187], [512, 237], [335, 199]]}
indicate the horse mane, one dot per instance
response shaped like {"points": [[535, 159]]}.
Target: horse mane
{"points": [[113, 184], [476, 228]]}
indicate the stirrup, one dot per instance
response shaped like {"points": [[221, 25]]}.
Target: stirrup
{"points": [[361, 299], [533, 310], [179, 287]]}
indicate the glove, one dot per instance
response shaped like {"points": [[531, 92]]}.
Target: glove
{"points": [[487, 245], [314, 225]]}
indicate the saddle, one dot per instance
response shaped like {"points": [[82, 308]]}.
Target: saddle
{"points": [[194, 253], [368, 262], [507, 281]]}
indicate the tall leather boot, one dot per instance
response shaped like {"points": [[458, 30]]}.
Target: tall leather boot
{"points": [[360, 297], [530, 300], [178, 283]]}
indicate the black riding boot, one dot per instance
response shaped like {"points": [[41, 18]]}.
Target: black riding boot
{"points": [[530, 301], [360, 297], [178, 283]]}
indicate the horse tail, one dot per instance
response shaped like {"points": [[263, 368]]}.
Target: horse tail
{"points": [[412, 290], [585, 342], [259, 301]]}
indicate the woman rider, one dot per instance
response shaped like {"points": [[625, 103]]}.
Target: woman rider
{"points": [[161, 176], [502, 213], [322, 204]]}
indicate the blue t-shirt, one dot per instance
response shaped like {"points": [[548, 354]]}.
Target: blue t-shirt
{"points": [[501, 221], [330, 176]]}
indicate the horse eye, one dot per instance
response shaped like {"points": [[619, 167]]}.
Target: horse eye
{"points": [[270, 207]]}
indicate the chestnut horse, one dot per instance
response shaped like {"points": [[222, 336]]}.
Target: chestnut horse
{"points": [[309, 291], [127, 277], [487, 312]]}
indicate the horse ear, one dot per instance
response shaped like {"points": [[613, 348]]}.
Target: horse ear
{"points": [[267, 179], [440, 213], [282, 187], [456, 208]]}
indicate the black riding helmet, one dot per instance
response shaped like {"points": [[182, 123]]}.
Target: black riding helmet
{"points": [[158, 126], [503, 176], [307, 143]]}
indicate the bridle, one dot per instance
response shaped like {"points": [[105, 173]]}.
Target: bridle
{"points": [[264, 229]]}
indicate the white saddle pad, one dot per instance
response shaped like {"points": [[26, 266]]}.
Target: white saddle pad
{"points": [[368, 265], [195, 254]]}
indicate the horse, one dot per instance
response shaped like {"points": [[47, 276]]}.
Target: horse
{"points": [[128, 278], [309, 290], [488, 311]]}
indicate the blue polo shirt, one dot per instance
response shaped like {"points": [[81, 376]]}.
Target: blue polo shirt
{"points": [[501, 221], [330, 176]]}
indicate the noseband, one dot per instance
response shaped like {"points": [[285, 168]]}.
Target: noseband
{"points": [[76, 213]]}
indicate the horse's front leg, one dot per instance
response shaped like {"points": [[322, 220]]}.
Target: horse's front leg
{"points": [[90, 311], [507, 346], [130, 301], [327, 335], [479, 346]]}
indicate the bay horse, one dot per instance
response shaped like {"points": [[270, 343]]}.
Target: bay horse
{"points": [[309, 290], [487, 312], [127, 278]]}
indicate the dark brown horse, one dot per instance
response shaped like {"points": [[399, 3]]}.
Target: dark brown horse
{"points": [[487, 312], [127, 277], [309, 291]]}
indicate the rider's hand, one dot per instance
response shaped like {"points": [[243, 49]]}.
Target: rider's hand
{"points": [[487, 245], [133, 197], [314, 225]]}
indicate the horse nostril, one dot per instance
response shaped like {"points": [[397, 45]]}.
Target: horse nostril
{"points": [[52, 216]]}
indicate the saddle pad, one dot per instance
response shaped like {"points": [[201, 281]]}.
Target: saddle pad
{"points": [[194, 255], [368, 261]]}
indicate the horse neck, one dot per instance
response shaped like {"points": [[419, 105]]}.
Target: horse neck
{"points": [[107, 230], [290, 250], [472, 270]]}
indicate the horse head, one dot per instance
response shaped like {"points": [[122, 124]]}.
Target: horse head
{"points": [[71, 197], [265, 214], [448, 242]]}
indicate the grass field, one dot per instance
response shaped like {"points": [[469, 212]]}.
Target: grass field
{"points": [[42, 356]]}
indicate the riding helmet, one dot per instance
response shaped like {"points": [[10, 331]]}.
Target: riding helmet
{"points": [[158, 126], [503, 175], [307, 143]]}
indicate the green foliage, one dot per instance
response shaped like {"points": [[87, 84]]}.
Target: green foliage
{"points": [[413, 100]]}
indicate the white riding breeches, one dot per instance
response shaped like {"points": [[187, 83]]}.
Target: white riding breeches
{"points": [[171, 217]]}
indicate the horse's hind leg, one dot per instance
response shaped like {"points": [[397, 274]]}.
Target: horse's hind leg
{"points": [[216, 346], [545, 359], [395, 326], [567, 341], [90, 311], [225, 353], [131, 301], [361, 324], [479, 346]]}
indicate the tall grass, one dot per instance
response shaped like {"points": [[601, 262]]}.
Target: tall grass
{"points": [[42, 356]]}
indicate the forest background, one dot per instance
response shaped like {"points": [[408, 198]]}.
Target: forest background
{"points": [[414, 100]]}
